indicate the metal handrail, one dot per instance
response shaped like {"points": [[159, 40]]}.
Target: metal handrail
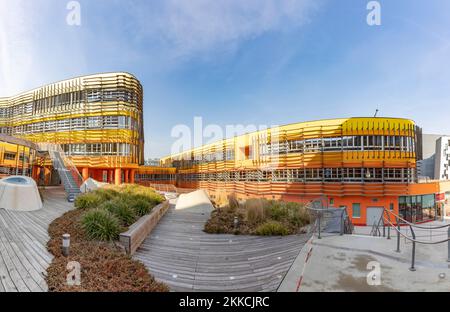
{"points": [[414, 239], [416, 225], [67, 162], [317, 224]]}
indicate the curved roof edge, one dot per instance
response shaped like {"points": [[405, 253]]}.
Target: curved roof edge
{"points": [[69, 79]]}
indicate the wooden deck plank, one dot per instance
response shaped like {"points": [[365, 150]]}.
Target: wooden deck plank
{"points": [[181, 255], [24, 258]]}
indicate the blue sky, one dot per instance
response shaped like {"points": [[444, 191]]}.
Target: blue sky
{"points": [[262, 62]]}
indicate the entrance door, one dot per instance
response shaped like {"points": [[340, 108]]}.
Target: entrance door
{"points": [[373, 215]]}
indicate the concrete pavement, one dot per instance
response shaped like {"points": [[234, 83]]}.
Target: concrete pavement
{"points": [[340, 263]]}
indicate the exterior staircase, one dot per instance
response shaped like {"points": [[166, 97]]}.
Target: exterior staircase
{"points": [[67, 171]]}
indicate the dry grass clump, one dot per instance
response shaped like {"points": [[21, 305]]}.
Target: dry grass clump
{"points": [[258, 216], [255, 209]]}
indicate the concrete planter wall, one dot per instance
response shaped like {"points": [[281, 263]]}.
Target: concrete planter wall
{"points": [[138, 232]]}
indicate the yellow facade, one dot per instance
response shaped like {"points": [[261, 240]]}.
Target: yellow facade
{"points": [[97, 120], [17, 157], [358, 163]]}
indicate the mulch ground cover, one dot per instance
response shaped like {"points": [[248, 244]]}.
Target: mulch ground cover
{"points": [[104, 265]]}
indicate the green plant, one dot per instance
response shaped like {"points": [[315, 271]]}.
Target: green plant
{"points": [[277, 210], [271, 228], [107, 193], [153, 198], [88, 201], [122, 210], [141, 206], [100, 224], [298, 214]]}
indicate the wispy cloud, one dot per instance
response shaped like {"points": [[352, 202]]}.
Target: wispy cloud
{"points": [[36, 45], [16, 51], [195, 27]]}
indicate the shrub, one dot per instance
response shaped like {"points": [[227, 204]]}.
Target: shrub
{"points": [[277, 210], [298, 214], [100, 224], [272, 228], [107, 193], [153, 198], [88, 201], [141, 206], [214, 228], [121, 210]]}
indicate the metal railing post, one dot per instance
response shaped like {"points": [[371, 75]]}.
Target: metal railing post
{"points": [[398, 235], [342, 223], [319, 226], [389, 223], [413, 256]]}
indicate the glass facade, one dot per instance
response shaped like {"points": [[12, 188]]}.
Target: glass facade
{"points": [[417, 208]]}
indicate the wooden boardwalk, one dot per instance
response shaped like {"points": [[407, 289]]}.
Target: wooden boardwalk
{"points": [[181, 255], [23, 237]]}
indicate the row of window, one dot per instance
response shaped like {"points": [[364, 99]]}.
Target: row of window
{"points": [[74, 124], [69, 100], [15, 171], [99, 149], [347, 143], [360, 175], [100, 95], [60, 102], [155, 177], [12, 156]]}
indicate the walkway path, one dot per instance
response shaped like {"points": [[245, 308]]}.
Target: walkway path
{"points": [[342, 263], [23, 237], [184, 257]]}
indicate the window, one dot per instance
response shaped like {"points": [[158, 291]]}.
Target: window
{"points": [[356, 210], [10, 156], [391, 206]]}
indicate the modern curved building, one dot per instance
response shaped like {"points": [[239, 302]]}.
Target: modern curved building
{"points": [[363, 164], [97, 120]]}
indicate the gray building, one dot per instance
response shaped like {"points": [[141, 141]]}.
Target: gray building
{"points": [[435, 161], [442, 158]]}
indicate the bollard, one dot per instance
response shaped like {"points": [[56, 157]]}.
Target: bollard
{"points": [[398, 235], [66, 244], [236, 222], [448, 245]]}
